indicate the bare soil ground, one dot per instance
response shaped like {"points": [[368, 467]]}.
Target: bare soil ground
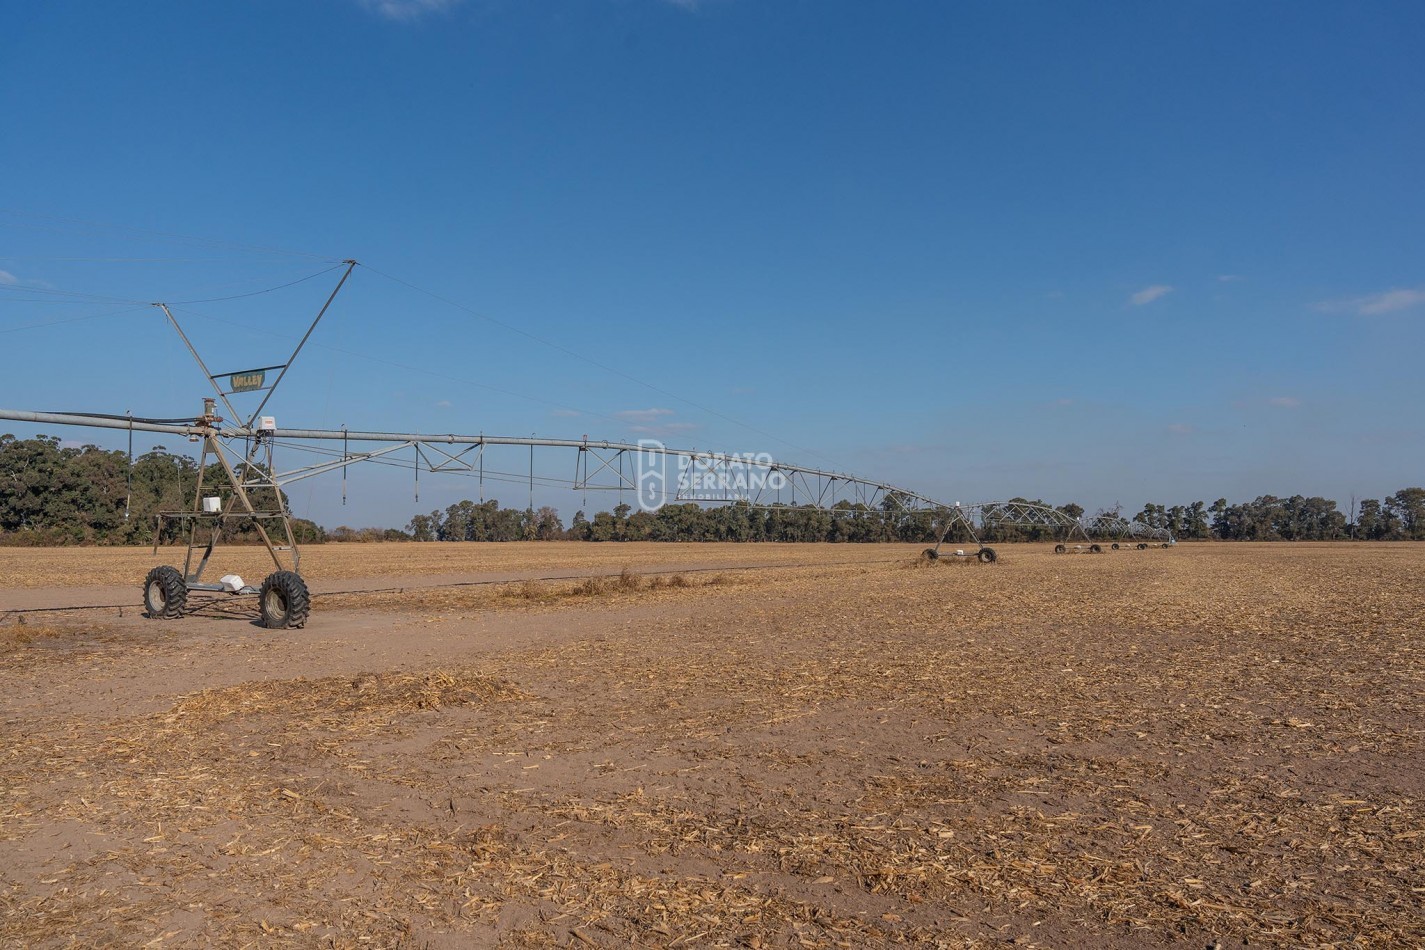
{"points": [[851, 747]]}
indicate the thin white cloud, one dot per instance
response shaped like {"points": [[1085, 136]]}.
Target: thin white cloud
{"points": [[565, 413], [643, 415], [1284, 402], [443, 404], [654, 422], [1229, 278], [1149, 294], [8, 278], [1181, 428], [407, 10], [1393, 300], [663, 429], [1063, 401], [1388, 301]]}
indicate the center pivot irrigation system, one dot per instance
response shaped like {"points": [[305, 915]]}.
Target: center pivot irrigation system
{"points": [[243, 446]]}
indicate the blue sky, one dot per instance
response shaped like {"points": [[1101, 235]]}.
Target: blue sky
{"points": [[1090, 252]]}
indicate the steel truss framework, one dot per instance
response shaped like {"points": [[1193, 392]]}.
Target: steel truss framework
{"points": [[654, 473], [1114, 527]]}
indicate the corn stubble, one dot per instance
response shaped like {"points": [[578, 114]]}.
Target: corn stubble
{"points": [[1217, 743]]}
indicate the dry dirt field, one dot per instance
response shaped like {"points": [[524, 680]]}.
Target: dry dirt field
{"points": [[845, 747]]}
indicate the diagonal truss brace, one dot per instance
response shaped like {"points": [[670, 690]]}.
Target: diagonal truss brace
{"points": [[284, 367], [808, 486]]}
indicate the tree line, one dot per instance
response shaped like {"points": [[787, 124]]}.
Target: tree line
{"points": [[487, 521], [52, 494], [1399, 517]]}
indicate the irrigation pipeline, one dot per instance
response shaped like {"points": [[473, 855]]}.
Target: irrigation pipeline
{"points": [[189, 429], [815, 488], [20, 611]]}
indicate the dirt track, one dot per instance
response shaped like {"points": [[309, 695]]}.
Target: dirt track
{"points": [[1138, 748]]}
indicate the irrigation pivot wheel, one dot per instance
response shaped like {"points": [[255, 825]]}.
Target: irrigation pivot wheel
{"points": [[164, 593], [930, 554], [284, 601], [988, 556]]}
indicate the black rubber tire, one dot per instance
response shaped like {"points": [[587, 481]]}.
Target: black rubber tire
{"points": [[930, 554], [1095, 549], [284, 601], [987, 556], [1142, 546], [1165, 544], [1060, 549], [1115, 545], [165, 595]]}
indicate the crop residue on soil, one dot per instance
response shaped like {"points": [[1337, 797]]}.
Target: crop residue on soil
{"points": [[1216, 743]]}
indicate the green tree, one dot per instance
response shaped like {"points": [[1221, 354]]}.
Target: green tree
{"points": [[1219, 517], [1370, 522], [547, 526], [1195, 524], [1407, 506]]}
